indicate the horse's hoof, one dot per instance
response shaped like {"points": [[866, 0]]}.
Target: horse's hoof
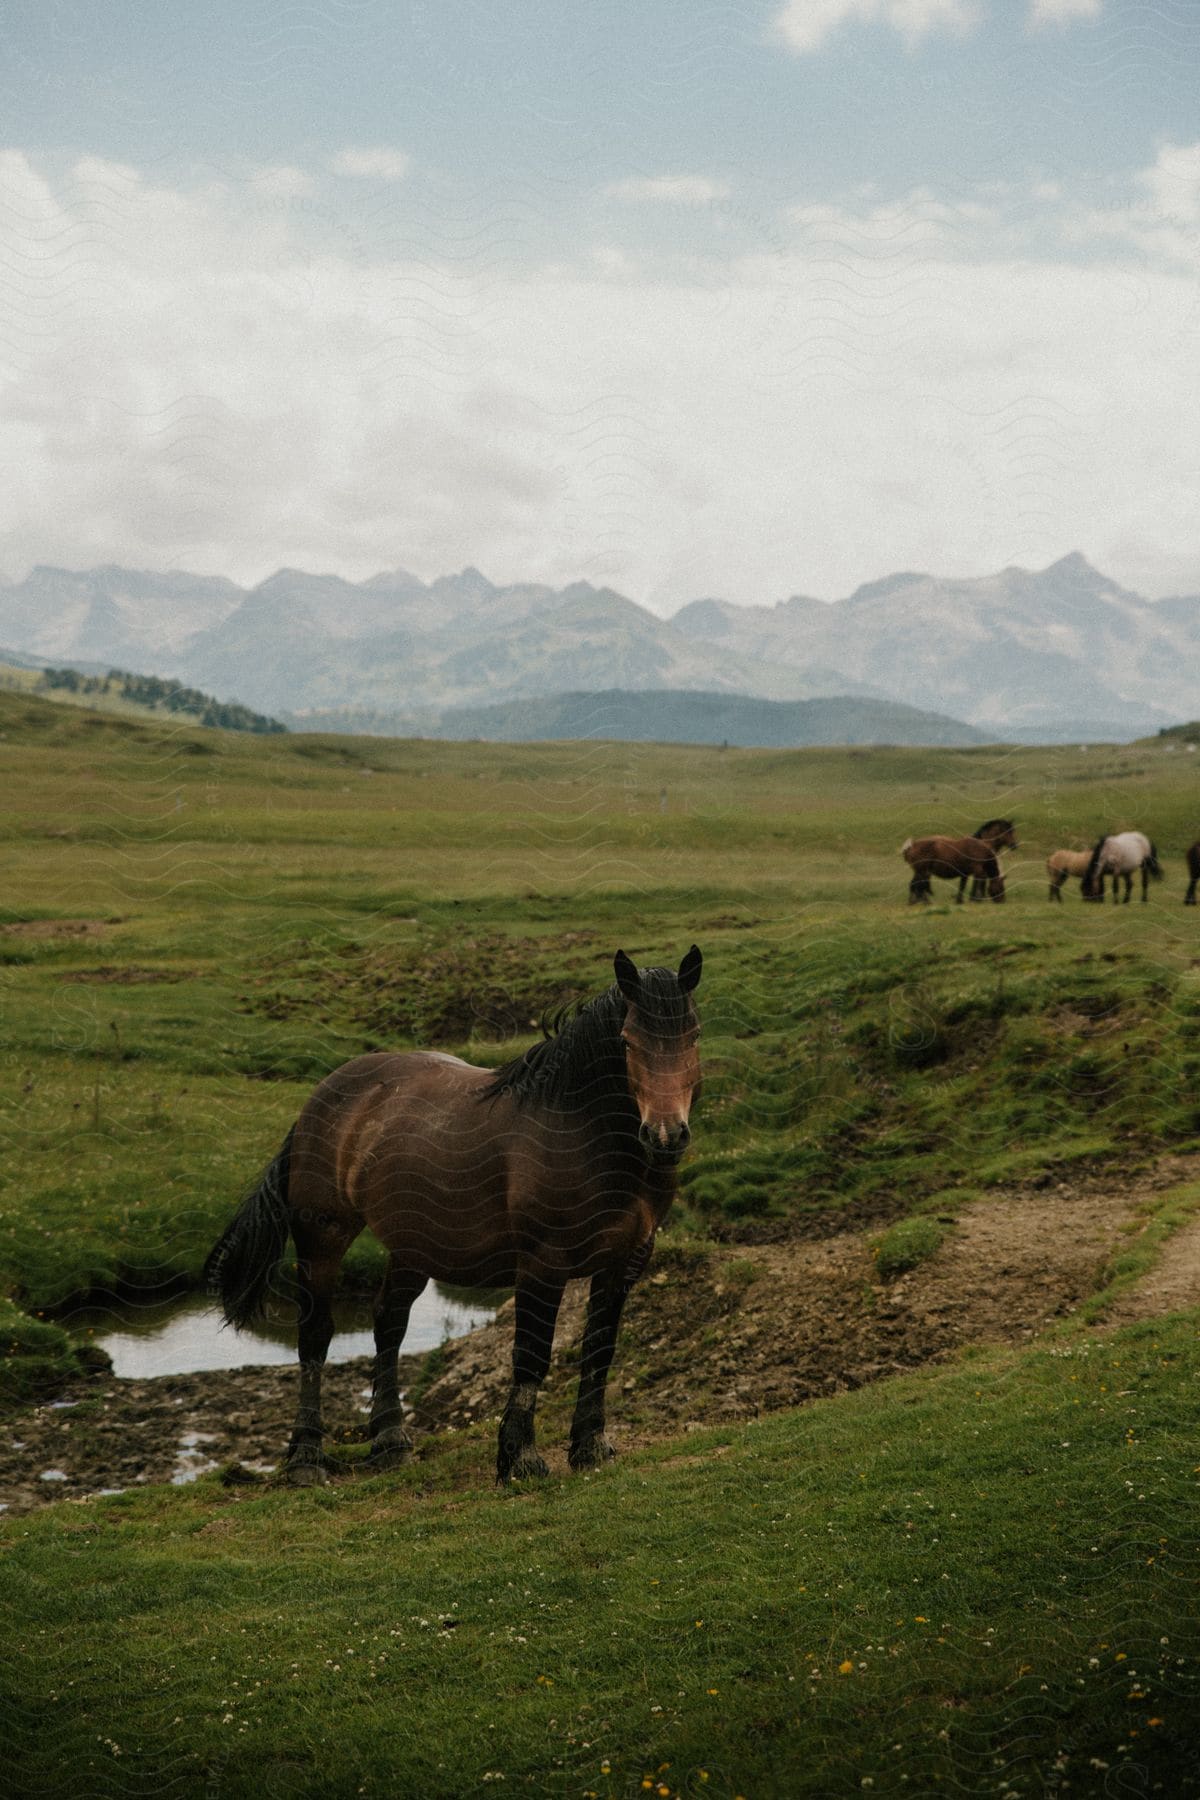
{"points": [[305, 1474], [389, 1452], [528, 1466], [591, 1453]]}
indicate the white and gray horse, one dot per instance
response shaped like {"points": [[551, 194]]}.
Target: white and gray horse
{"points": [[1121, 855]]}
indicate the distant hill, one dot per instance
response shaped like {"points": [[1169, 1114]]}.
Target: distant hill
{"points": [[117, 690], [667, 717], [1181, 734], [1054, 654]]}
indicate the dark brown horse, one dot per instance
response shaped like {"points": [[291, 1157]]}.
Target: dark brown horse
{"points": [[1193, 869], [558, 1166], [960, 859]]}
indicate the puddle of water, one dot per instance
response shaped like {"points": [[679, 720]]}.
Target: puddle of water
{"points": [[185, 1337], [192, 1460]]}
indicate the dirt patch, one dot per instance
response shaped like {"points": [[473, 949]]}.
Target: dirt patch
{"points": [[773, 1325], [56, 928], [106, 1434], [127, 975], [1171, 1286], [485, 985]]}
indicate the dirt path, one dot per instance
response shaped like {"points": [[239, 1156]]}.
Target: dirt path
{"points": [[1169, 1287], [746, 1331]]}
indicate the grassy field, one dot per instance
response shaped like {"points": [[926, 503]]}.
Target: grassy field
{"points": [[195, 926], [975, 1582]]}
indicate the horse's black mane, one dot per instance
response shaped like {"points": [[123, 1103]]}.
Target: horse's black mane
{"points": [[988, 823], [1089, 874], [581, 1050]]}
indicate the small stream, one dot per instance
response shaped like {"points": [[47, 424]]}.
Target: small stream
{"points": [[185, 1336]]}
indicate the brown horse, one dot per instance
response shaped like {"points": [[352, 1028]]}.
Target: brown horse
{"points": [[1193, 869], [558, 1166], [960, 859]]}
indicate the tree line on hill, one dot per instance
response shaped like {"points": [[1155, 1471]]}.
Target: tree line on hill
{"points": [[162, 696]]}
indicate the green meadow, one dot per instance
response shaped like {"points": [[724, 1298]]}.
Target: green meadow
{"points": [[979, 1579]]}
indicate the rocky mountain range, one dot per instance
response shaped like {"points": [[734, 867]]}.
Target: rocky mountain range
{"points": [[1060, 652]]}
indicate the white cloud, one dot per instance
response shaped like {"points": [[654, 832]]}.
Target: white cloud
{"points": [[378, 164], [1159, 214], [669, 190], [1173, 183], [1062, 12], [281, 181], [213, 378], [804, 25]]}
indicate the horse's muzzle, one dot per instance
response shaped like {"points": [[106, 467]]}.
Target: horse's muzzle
{"points": [[664, 1144]]}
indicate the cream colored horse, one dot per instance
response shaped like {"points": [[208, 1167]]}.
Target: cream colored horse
{"points": [[1061, 865]]}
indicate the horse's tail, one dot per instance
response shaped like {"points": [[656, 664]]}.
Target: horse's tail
{"points": [[241, 1264], [906, 846], [1153, 865]]}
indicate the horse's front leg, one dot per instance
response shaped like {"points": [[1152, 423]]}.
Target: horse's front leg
{"points": [[390, 1443], [606, 1299], [537, 1302], [1128, 887], [962, 882]]}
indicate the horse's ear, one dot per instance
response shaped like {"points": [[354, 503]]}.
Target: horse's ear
{"points": [[689, 969], [628, 979]]}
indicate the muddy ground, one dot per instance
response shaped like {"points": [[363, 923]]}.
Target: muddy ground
{"points": [[746, 1330]]}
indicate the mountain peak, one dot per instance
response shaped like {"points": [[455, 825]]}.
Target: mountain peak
{"points": [[889, 584], [1075, 564]]}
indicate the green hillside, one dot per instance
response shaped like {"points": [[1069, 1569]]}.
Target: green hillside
{"points": [[135, 695]]}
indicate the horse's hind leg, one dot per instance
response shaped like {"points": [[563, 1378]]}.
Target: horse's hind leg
{"points": [[390, 1443], [317, 1274], [1128, 888], [537, 1303], [606, 1299], [1189, 899], [962, 882]]}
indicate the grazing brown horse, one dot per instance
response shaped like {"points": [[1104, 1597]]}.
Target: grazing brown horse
{"points": [[1061, 864], [558, 1166], [960, 859], [1193, 869]]}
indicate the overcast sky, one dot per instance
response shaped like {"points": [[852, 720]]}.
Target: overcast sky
{"points": [[745, 299]]}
